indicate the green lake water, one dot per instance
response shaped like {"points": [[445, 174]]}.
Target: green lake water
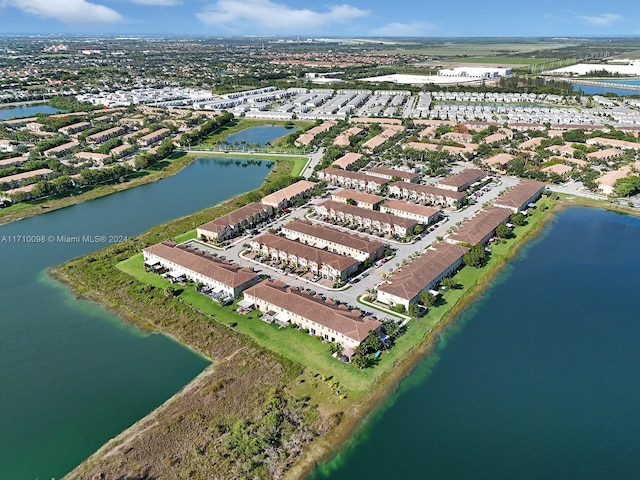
{"points": [[72, 375], [539, 378]]}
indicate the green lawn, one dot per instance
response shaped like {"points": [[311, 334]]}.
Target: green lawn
{"points": [[310, 351], [191, 234], [508, 60], [298, 165], [290, 343]]}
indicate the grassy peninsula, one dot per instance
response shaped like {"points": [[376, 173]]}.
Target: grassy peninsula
{"points": [[262, 409]]}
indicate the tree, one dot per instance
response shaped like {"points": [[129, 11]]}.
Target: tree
{"points": [[427, 299], [372, 343], [42, 189], [61, 184], [141, 162], [574, 136], [414, 310], [475, 257], [484, 149], [336, 348], [360, 360], [625, 187], [450, 282], [503, 231], [392, 328], [518, 219], [555, 178]]}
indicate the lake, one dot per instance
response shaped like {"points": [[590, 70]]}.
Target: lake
{"points": [[616, 87], [26, 111], [72, 375], [626, 81], [538, 379], [261, 134]]}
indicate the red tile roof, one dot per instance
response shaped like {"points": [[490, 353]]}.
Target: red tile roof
{"points": [[338, 318], [411, 279]]}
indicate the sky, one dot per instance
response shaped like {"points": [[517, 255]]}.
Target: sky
{"points": [[309, 18]]}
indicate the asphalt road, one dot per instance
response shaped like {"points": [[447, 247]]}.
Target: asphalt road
{"points": [[374, 275]]}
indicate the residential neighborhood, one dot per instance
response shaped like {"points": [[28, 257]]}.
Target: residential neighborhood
{"points": [[235, 230]]}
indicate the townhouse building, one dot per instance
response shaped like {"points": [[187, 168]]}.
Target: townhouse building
{"points": [[481, 227], [285, 196], [361, 199], [320, 262], [424, 273], [414, 211], [426, 194], [519, 197], [354, 180], [337, 241], [373, 220], [234, 223], [184, 262], [462, 180], [322, 318]]}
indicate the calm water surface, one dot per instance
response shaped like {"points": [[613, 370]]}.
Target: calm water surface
{"points": [[627, 81], [261, 134], [71, 374], [26, 111], [539, 379], [600, 90]]}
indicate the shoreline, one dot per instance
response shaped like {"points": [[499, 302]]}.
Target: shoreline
{"points": [[23, 104], [325, 448], [31, 210], [175, 166], [375, 401], [362, 411], [601, 82]]}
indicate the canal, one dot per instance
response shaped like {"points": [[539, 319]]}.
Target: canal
{"points": [[538, 379]]}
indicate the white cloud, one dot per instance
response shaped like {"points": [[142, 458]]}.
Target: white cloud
{"points": [[397, 29], [603, 20], [159, 3], [66, 11], [268, 16]]}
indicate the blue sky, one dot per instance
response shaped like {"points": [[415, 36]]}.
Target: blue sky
{"points": [[347, 18]]}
